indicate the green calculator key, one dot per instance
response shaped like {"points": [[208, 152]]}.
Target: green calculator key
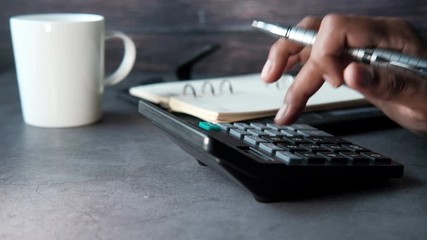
{"points": [[209, 126]]}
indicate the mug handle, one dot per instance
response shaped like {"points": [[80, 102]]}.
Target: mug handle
{"points": [[128, 58]]}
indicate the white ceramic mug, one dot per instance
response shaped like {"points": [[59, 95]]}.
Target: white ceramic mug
{"points": [[59, 62]]}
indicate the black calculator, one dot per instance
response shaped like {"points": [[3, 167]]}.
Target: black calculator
{"points": [[276, 163]]}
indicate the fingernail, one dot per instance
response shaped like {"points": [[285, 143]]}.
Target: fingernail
{"points": [[266, 69], [281, 113]]}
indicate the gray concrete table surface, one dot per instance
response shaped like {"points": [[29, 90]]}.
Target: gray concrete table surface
{"points": [[123, 178]]}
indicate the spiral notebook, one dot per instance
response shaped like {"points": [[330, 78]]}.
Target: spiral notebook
{"points": [[238, 98]]}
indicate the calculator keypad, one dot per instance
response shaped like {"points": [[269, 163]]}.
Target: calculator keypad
{"points": [[300, 144]]}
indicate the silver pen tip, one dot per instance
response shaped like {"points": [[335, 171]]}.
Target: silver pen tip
{"points": [[258, 24], [271, 29]]}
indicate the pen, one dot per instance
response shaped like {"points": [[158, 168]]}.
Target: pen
{"points": [[395, 61]]}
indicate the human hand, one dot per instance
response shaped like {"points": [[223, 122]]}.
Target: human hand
{"points": [[402, 98]]}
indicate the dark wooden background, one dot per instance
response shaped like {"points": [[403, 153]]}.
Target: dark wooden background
{"points": [[168, 31]]}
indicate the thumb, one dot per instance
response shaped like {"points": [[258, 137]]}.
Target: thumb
{"points": [[382, 85], [361, 77]]}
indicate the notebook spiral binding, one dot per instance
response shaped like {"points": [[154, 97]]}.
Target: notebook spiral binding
{"points": [[225, 85]]}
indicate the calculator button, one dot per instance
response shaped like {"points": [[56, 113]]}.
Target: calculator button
{"points": [[243, 126], [259, 126], [300, 126], [312, 157], [209, 126], [253, 140], [297, 140], [257, 132], [355, 157], [355, 148], [289, 158], [274, 132], [226, 126], [291, 147], [269, 148], [337, 140], [238, 133], [320, 139], [276, 127], [275, 139], [289, 133], [308, 132], [334, 148], [334, 158], [314, 148], [378, 158]]}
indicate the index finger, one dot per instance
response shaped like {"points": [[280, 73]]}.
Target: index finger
{"points": [[282, 50]]}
